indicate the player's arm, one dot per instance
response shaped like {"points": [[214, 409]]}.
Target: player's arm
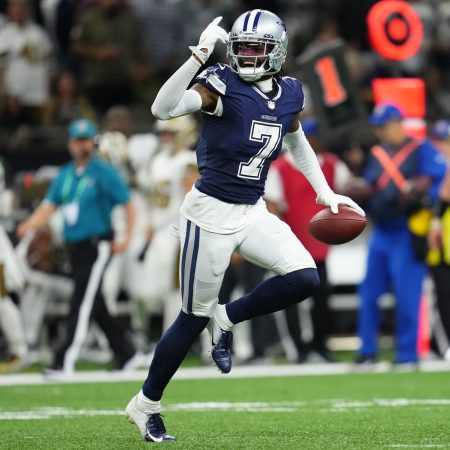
{"points": [[41, 215], [130, 214], [38, 219], [433, 165], [174, 98], [209, 98], [306, 160]]}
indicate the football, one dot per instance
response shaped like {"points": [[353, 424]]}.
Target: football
{"points": [[338, 228]]}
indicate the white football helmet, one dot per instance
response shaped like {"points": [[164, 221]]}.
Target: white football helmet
{"points": [[112, 146], [257, 44]]}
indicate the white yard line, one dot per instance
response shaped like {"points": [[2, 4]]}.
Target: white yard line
{"points": [[199, 373], [390, 403], [48, 412], [418, 445]]}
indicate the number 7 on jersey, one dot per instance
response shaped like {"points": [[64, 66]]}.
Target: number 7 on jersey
{"points": [[269, 135]]}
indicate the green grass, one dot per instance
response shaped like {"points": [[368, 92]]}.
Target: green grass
{"points": [[318, 416]]}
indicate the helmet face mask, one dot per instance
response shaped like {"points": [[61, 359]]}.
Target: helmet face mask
{"points": [[257, 45]]}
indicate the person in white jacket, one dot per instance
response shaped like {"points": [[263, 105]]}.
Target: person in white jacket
{"points": [[25, 49]]}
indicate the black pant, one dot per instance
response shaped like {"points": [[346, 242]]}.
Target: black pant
{"points": [[88, 267], [441, 278]]}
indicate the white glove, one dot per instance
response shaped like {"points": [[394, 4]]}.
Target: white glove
{"points": [[208, 39], [329, 198]]}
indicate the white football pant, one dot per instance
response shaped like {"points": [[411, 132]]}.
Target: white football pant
{"points": [[267, 242]]}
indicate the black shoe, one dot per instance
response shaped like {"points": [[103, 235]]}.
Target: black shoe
{"points": [[302, 356], [362, 360], [221, 352], [405, 366], [155, 431], [324, 354], [53, 369]]}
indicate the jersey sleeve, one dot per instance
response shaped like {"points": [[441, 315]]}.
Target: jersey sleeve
{"points": [[54, 193], [433, 164], [295, 89], [214, 78], [115, 186]]}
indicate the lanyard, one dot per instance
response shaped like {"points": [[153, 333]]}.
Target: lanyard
{"points": [[67, 187]]}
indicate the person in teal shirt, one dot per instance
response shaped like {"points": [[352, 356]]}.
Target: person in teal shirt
{"points": [[86, 190]]}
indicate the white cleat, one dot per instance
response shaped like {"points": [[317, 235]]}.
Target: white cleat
{"points": [[151, 426], [136, 416], [214, 330]]}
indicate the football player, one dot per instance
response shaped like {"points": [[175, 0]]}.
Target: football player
{"points": [[11, 280], [11, 324], [248, 107], [170, 175]]}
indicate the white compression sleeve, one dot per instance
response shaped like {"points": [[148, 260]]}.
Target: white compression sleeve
{"points": [[306, 160], [173, 99]]}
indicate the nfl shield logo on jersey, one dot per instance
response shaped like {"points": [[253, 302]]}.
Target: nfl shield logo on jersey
{"points": [[271, 104]]}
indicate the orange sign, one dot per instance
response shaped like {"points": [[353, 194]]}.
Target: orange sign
{"points": [[395, 29], [407, 93], [333, 91]]}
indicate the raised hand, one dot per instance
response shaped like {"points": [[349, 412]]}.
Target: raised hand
{"points": [[208, 39]]}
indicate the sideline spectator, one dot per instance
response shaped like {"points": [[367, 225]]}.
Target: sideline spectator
{"points": [[439, 243], [25, 48], [161, 25], [291, 197], [108, 44], [87, 189], [11, 325], [394, 260], [66, 104], [131, 155], [171, 174]]}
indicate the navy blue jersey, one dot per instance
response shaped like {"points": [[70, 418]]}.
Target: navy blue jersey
{"points": [[235, 150]]}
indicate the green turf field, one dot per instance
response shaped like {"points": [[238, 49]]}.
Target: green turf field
{"points": [[357, 411]]}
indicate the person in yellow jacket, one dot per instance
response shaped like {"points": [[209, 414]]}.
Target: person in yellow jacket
{"points": [[439, 244]]}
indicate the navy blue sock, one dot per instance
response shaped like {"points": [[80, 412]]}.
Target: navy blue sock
{"points": [[274, 295], [170, 352]]}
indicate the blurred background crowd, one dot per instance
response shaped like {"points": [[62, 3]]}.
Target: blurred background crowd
{"points": [[104, 60]]}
